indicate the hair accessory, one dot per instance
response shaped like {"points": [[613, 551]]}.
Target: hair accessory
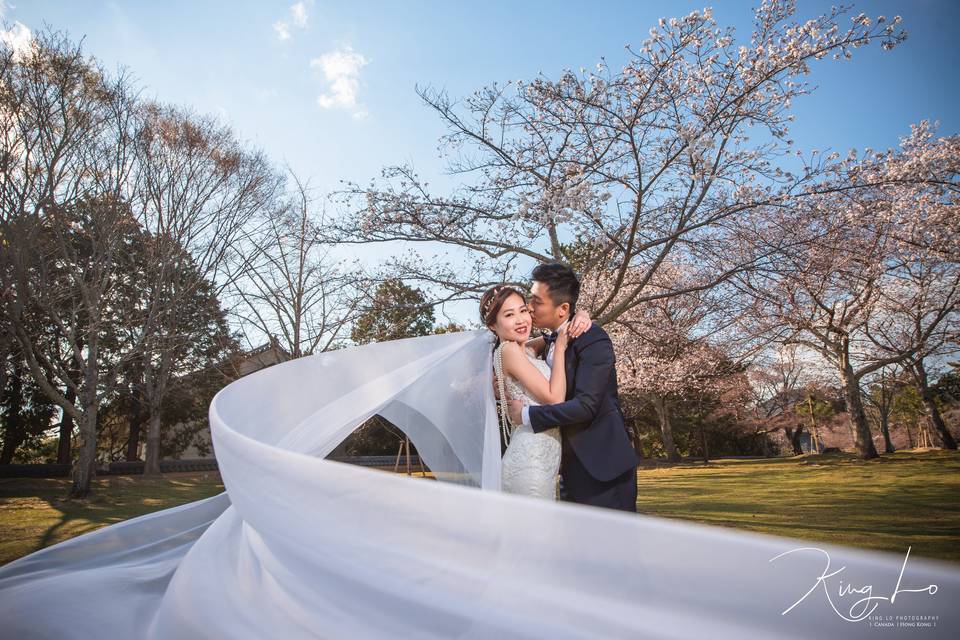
{"points": [[489, 302]]}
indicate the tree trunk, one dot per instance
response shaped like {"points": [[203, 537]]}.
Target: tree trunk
{"points": [[155, 380], [862, 438], [634, 438], [66, 422], [666, 430], [85, 469], [9, 447], [816, 443], [14, 427], [133, 438], [766, 445], [703, 441], [136, 424], [66, 431], [11, 442], [923, 436], [920, 377], [793, 435], [885, 430], [152, 462]]}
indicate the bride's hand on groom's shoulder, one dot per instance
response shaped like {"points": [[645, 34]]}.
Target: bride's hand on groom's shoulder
{"points": [[579, 324]]}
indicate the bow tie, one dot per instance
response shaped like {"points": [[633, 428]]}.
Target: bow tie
{"points": [[550, 338]]}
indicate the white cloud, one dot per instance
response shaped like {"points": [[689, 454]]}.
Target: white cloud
{"points": [[17, 38], [282, 29], [341, 69], [299, 13], [298, 19]]}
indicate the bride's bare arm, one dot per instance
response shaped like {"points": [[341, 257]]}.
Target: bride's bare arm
{"points": [[578, 324], [516, 364]]}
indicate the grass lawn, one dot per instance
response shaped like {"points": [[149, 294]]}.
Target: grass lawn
{"points": [[34, 515], [908, 498]]}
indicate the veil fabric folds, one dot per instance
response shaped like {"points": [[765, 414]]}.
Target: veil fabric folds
{"points": [[302, 547]]}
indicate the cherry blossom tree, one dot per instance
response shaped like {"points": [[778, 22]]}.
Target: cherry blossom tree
{"points": [[649, 161], [665, 347], [781, 379], [918, 316], [841, 260], [918, 313]]}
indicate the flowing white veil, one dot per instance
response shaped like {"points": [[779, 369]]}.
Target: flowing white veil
{"points": [[302, 547]]}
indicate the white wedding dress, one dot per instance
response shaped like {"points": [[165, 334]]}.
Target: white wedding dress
{"points": [[302, 547], [532, 460]]}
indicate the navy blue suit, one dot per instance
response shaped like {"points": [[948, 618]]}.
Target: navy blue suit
{"points": [[599, 464]]}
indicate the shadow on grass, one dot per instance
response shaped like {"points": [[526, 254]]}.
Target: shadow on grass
{"points": [[909, 498], [35, 513]]}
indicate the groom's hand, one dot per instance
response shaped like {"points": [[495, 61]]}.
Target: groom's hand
{"points": [[515, 411]]}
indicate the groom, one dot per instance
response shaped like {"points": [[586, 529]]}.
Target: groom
{"points": [[599, 465]]}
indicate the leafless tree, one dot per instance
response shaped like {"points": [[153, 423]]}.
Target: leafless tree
{"points": [[288, 285], [197, 192]]}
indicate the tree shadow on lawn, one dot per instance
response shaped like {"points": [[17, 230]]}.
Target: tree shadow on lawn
{"points": [[912, 500], [112, 499]]}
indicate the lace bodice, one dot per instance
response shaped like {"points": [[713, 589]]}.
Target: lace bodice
{"points": [[530, 465]]}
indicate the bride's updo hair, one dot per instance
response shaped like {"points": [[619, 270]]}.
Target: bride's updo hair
{"points": [[491, 301]]}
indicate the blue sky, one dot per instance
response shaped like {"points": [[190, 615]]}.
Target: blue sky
{"points": [[328, 88], [229, 58]]}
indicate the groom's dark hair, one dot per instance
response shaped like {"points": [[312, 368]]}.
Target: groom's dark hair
{"points": [[563, 283]]}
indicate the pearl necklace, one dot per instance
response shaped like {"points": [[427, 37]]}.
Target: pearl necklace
{"points": [[505, 430]]}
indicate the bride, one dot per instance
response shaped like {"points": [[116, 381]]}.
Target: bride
{"points": [[532, 460]]}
